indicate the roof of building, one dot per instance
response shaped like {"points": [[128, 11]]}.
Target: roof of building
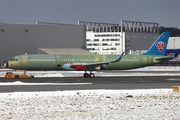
{"points": [[76, 51]]}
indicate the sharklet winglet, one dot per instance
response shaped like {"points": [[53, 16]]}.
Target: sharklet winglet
{"points": [[118, 59]]}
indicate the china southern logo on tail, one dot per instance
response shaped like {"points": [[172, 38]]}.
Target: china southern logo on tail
{"points": [[160, 45]]}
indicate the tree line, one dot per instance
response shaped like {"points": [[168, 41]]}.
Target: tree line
{"points": [[175, 32]]}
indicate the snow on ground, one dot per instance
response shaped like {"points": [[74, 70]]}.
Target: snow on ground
{"points": [[156, 104], [158, 68], [22, 83]]}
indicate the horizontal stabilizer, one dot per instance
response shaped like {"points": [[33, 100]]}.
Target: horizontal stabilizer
{"points": [[164, 58]]}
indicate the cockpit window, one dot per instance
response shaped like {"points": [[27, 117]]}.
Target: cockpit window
{"points": [[14, 59]]}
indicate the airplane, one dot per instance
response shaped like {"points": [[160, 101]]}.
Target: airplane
{"points": [[93, 62]]}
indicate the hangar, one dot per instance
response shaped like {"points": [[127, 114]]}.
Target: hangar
{"points": [[18, 39]]}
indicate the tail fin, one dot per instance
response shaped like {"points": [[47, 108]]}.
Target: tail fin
{"points": [[159, 46]]}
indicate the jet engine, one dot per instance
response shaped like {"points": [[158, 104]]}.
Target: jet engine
{"points": [[73, 67], [67, 67], [78, 67]]}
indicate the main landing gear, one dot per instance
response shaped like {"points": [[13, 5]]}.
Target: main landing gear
{"points": [[90, 75]]}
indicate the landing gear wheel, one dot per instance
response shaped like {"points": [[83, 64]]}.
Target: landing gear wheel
{"points": [[86, 75], [16, 76], [91, 75]]}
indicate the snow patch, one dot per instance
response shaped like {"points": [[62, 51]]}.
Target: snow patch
{"points": [[91, 104], [22, 83]]}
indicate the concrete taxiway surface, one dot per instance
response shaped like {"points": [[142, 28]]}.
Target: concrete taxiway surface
{"points": [[80, 83]]}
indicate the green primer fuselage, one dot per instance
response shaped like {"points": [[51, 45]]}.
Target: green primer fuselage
{"points": [[56, 62]]}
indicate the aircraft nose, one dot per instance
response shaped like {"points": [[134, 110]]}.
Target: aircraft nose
{"points": [[6, 64]]}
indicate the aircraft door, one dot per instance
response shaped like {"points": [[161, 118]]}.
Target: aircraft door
{"points": [[149, 59], [58, 62], [99, 58], [146, 60], [25, 62]]}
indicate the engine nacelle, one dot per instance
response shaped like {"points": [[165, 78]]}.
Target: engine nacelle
{"points": [[67, 67], [78, 67]]}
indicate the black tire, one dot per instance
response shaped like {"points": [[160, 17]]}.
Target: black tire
{"points": [[86, 75], [91, 75], [16, 76]]}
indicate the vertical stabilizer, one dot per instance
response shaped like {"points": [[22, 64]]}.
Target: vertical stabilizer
{"points": [[159, 46]]}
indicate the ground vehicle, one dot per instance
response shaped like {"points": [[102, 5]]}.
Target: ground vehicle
{"points": [[16, 76]]}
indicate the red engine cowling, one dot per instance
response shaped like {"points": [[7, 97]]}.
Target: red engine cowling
{"points": [[78, 67]]}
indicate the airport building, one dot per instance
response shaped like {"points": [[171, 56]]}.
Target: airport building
{"points": [[133, 37], [174, 43], [173, 48]]}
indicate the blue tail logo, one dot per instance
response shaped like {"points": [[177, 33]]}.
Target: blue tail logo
{"points": [[159, 46]]}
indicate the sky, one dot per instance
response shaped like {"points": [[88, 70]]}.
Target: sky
{"points": [[164, 12]]}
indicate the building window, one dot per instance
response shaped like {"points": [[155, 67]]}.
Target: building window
{"points": [[89, 44], [96, 39], [113, 48]]}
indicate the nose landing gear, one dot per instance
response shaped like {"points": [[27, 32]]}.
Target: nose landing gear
{"points": [[6, 65]]}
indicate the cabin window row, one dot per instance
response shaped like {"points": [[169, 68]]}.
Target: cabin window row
{"points": [[81, 59], [98, 60], [41, 59], [124, 60], [130, 60]]}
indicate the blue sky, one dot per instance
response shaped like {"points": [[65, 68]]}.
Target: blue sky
{"points": [[164, 12]]}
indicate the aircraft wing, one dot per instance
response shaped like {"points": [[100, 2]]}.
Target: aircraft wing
{"points": [[94, 65]]}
